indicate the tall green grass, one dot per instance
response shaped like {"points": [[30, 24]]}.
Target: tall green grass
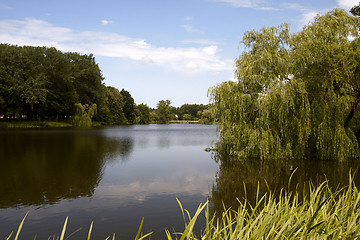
{"points": [[321, 213]]}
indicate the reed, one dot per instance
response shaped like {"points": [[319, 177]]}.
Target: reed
{"points": [[321, 213]]}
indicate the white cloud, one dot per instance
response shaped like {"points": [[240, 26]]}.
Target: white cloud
{"points": [[211, 50], [294, 6], [308, 17], [307, 14], [242, 3], [188, 18], [32, 32], [40, 33], [106, 22], [256, 4], [191, 29], [200, 41], [347, 4]]}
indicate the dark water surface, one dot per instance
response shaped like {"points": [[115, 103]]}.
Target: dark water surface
{"points": [[115, 176]]}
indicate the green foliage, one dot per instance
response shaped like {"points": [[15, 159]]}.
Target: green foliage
{"points": [[322, 214], [44, 83], [83, 115], [112, 112], [129, 106], [87, 79], [206, 116], [355, 10], [296, 94], [163, 111], [154, 118], [142, 114], [191, 110], [187, 117]]}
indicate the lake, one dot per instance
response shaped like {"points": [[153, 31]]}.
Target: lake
{"points": [[111, 176], [115, 176]]}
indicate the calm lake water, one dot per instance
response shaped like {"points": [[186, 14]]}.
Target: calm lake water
{"points": [[111, 176], [115, 176]]}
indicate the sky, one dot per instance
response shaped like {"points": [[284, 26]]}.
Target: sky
{"points": [[155, 49]]}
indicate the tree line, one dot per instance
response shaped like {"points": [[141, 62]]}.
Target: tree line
{"points": [[296, 95], [41, 83], [164, 113]]}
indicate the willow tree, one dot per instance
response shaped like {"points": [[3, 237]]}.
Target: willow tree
{"points": [[296, 95]]}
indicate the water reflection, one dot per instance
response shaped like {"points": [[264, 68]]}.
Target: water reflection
{"points": [[112, 176], [43, 167], [274, 175]]}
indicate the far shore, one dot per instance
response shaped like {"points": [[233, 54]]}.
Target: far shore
{"points": [[184, 121], [12, 124]]}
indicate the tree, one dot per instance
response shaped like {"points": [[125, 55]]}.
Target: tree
{"points": [[190, 109], [87, 79], [129, 106], [63, 96], [142, 114], [44, 83], [112, 111], [206, 116], [163, 111], [355, 10], [83, 115], [296, 95]]}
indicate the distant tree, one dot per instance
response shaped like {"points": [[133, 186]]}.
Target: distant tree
{"points": [[129, 106], [87, 79], [142, 114], [355, 10], [154, 118], [187, 117], [111, 113], [62, 96], [206, 116], [190, 109], [23, 83], [163, 111], [45, 83], [83, 115]]}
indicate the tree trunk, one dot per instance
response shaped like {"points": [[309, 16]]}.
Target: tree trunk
{"points": [[352, 112]]}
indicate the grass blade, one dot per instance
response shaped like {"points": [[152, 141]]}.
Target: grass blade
{"points": [[139, 230], [189, 228], [10, 236], [89, 234], [20, 227], [63, 230]]}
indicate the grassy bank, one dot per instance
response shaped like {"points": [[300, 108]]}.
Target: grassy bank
{"points": [[322, 213], [38, 124], [33, 124]]}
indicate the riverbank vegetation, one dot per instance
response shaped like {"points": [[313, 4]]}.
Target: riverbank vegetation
{"points": [[297, 94], [321, 213], [33, 124], [194, 113], [44, 84]]}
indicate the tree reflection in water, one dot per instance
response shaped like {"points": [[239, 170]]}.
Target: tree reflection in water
{"points": [[42, 167], [261, 176]]}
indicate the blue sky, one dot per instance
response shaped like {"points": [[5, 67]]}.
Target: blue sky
{"points": [[155, 49]]}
